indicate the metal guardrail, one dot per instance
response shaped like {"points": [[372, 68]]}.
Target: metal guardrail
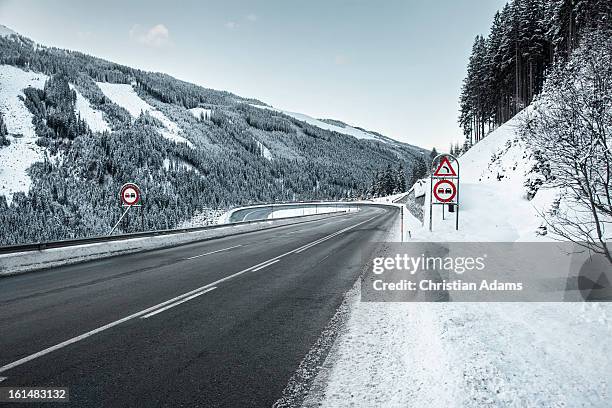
{"points": [[39, 246]]}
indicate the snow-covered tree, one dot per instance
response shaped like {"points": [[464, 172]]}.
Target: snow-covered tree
{"points": [[572, 125]]}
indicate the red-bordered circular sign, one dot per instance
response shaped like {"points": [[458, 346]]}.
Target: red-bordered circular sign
{"points": [[445, 191], [130, 194]]}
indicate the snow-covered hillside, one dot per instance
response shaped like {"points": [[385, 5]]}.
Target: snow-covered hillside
{"points": [[347, 130], [125, 96], [5, 31], [493, 195], [474, 354], [23, 151]]}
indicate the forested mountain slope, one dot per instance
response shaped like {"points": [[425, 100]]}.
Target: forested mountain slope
{"points": [[74, 128], [508, 67]]}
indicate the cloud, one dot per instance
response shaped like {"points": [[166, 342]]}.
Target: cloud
{"points": [[252, 17], [341, 59], [230, 25], [156, 36]]}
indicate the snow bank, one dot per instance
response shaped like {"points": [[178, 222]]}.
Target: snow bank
{"points": [[94, 118], [473, 354], [301, 211], [125, 96], [23, 151], [347, 130]]}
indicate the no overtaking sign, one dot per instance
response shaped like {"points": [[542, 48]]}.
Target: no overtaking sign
{"points": [[130, 195]]}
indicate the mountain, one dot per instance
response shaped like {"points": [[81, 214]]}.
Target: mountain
{"points": [[74, 128]]}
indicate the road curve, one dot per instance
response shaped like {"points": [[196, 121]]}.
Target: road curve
{"points": [[220, 323]]}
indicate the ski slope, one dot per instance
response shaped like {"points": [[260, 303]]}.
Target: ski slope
{"points": [[23, 151], [474, 354], [93, 117], [125, 96]]}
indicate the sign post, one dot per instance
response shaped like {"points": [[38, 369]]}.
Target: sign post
{"points": [[444, 186], [130, 197]]}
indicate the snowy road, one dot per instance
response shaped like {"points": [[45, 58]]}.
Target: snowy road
{"points": [[218, 323]]}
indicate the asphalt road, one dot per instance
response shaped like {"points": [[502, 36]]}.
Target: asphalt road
{"points": [[220, 323]]}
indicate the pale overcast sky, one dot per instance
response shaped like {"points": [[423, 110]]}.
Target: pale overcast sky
{"points": [[391, 66]]}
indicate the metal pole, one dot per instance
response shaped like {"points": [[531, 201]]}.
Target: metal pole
{"points": [[402, 225], [122, 215], [430, 202], [457, 206]]}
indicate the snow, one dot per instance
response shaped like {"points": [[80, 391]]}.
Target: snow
{"points": [[199, 112], [300, 211], [5, 31], [420, 188], [94, 118], [347, 130], [179, 165], [264, 150], [23, 151], [473, 354], [125, 96], [389, 199], [494, 207]]}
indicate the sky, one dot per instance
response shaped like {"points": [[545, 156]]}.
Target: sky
{"points": [[392, 66]]}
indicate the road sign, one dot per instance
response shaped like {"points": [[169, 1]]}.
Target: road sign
{"points": [[445, 191], [444, 186], [130, 195], [445, 169]]}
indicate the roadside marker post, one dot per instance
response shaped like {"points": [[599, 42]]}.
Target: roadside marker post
{"points": [[444, 186]]}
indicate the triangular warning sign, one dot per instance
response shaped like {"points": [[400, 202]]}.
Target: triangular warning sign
{"points": [[445, 169]]}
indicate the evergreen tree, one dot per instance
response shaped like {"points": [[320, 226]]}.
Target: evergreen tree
{"points": [[419, 170], [3, 132], [400, 183]]}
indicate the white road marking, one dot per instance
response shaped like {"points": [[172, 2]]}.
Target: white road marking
{"points": [[167, 302], [176, 303], [266, 265], [213, 252], [3, 378], [310, 245]]}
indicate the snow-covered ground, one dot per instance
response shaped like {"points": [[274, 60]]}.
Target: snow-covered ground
{"points": [[347, 130], [474, 354], [300, 211], [264, 150], [5, 31], [202, 218], [200, 113], [125, 96], [23, 151], [94, 118]]}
